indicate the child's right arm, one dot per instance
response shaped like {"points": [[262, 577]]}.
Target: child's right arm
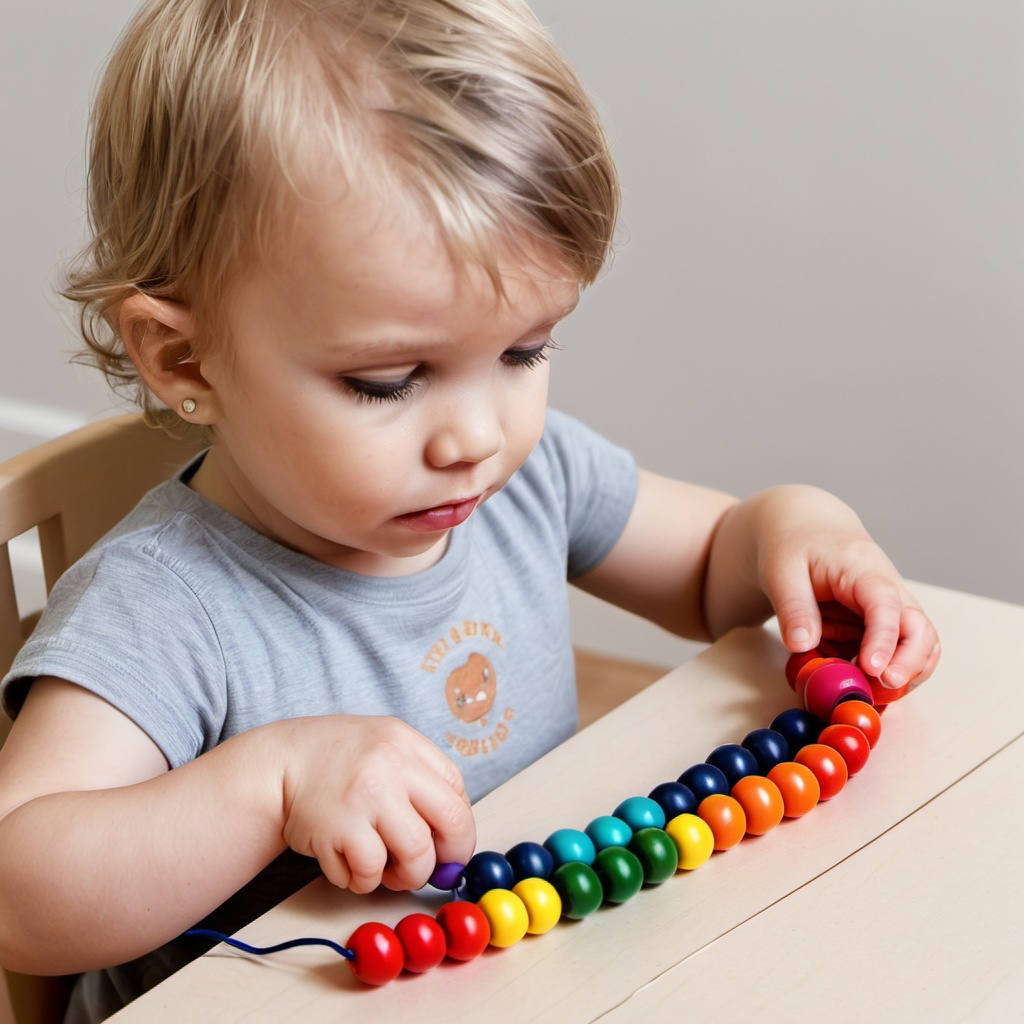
{"points": [[105, 854]]}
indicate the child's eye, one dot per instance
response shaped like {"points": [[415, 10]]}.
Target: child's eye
{"points": [[526, 358], [380, 390]]}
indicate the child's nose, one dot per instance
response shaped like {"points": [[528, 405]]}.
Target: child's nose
{"points": [[468, 433]]}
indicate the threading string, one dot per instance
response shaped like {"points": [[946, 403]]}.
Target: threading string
{"points": [[206, 933]]}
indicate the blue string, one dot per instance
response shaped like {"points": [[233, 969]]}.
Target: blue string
{"points": [[206, 933], [348, 954]]}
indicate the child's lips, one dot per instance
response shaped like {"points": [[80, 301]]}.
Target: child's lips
{"points": [[440, 517]]}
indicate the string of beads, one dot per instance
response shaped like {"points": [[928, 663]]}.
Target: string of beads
{"points": [[807, 755]]}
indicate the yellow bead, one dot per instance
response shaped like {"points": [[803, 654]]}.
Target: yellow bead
{"points": [[543, 904], [506, 914], [693, 838]]}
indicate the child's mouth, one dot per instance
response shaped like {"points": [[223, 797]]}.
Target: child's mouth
{"points": [[440, 517]]}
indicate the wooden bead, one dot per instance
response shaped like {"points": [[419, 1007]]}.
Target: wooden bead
{"points": [[507, 916]]}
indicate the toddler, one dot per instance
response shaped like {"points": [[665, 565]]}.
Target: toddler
{"points": [[336, 238]]}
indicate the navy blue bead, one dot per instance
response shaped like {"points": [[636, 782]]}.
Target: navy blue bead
{"points": [[735, 762], [799, 728], [530, 860], [486, 871], [704, 779], [674, 798], [769, 747]]}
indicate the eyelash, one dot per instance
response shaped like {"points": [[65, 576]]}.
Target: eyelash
{"points": [[395, 391]]}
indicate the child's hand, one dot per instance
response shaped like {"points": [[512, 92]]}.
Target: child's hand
{"points": [[828, 580], [373, 800]]}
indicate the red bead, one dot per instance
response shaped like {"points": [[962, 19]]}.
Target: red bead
{"points": [[828, 766], [423, 940], [832, 682], [861, 714], [797, 662], [466, 929], [378, 954], [850, 742]]}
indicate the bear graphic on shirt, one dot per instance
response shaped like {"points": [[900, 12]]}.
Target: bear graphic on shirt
{"points": [[471, 688]]}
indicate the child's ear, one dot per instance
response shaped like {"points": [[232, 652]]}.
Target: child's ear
{"points": [[158, 336]]}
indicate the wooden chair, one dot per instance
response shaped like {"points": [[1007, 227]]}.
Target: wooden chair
{"points": [[71, 490]]}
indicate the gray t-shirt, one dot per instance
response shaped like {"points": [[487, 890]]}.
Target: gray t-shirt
{"points": [[197, 627]]}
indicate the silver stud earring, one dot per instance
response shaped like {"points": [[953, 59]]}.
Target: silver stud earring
{"points": [[188, 406]]}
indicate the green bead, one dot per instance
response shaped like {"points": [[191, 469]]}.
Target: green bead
{"points": [[657, 854], [620, 872], [579, 888]]}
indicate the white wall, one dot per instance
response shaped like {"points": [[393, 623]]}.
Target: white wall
{"points": [[820, 270]]}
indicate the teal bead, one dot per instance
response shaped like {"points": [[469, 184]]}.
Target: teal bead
{"points": [[570, 844], [579, 888], [620, 872], [657, 853], [641, 812], [608, 831]]}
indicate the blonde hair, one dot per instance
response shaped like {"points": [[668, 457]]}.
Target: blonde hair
{"points": [[212, 113]]}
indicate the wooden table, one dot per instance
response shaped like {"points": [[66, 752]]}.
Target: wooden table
{"points": [[902, 899]]}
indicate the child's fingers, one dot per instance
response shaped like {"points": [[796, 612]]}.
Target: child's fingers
{"points": [[880, 601], [447, 811], [916, 654], [792, 596], [360, 865], [436, 825], [410, 845]]}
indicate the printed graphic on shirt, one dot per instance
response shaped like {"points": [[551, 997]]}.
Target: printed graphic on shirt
{"points": [[471, 688]]}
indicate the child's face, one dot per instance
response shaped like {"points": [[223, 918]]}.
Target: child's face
{"points": [[374, 393]]}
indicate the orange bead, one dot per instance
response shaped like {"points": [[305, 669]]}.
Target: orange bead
{"points": [[860, 714], [799, 787], [800, 680], [726, 819], [761, 802], [882, 695], [828, 766]]}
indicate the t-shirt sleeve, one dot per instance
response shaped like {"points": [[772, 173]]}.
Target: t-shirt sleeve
{"points": [[171, 684], [598, 484]]}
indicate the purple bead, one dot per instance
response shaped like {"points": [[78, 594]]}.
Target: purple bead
{"points": [[446, 876]]}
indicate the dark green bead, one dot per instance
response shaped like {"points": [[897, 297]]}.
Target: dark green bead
{"points": [[657, 854], [620, 872], [580, 889]]}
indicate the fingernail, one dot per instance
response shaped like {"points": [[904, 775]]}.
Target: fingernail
{"points": [[800, 635], [896, 676], [877, 661]]}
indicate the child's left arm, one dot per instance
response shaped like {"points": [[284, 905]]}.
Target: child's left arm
{"points": [[698, 562]]}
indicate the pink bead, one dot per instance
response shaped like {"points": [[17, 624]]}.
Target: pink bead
{"points": [[831, 683]]}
